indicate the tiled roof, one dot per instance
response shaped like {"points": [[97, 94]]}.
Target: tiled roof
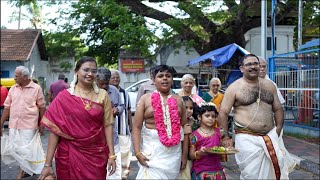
{"points": [[17, 45]]}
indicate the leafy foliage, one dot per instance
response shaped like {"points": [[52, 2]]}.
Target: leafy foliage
{"points": [[108, 25], [34, 13], [64, 44]]}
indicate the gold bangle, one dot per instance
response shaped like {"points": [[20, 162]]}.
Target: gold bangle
{"points": [[195, 155], [138, 153], [113, 157]]}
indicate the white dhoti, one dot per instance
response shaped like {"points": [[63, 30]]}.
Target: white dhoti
{"points": [[125, 149], [164, 162], [254, 158], [25, 148], [117, 173], [126, 154]]}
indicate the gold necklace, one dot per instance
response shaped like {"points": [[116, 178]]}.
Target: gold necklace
{"points": [[206, 132], [87, 106], [87, 92]]}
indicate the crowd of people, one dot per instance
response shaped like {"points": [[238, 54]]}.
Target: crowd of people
{"points": [[93, 135]]}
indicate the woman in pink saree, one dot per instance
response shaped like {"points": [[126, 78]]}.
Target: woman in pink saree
{"points": [[80, 120]]}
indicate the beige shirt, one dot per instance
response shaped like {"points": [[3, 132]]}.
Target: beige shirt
{"points": [[24, 106]]}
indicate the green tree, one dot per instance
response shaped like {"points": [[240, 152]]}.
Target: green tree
{"points": [[109, 25], [34, 13], [64, 44], [112, 24]]}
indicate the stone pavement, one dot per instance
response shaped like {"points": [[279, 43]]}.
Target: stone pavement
{"points": [[308, 154]]}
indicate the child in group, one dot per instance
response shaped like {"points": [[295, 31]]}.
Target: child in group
{"points": [[191, 107], [192, 125], [206, 165]]}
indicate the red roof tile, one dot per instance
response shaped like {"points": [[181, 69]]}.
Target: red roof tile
{"points": [[17, 45]]}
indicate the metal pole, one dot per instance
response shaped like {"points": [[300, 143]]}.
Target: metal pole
{"points": [[300, 24], [263, 28], [273, 24], [19, 20]]}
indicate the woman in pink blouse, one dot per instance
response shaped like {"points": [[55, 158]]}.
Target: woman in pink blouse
{"points": [[187, 84]]}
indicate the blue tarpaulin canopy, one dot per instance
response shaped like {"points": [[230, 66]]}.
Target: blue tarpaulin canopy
{"points": [[219, 56], [310, 44]]}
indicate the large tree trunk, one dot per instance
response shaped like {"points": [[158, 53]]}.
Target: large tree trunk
{"points": [[234, 28]]}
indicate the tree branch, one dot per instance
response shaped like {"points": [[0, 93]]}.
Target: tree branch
{"points": [[230, 4], [139, 8], [196, 13], [283, 11]]}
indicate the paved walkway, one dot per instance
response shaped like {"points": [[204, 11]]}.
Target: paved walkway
{"points": [[307, 152]]}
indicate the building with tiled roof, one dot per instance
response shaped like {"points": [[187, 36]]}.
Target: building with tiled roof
{"points": [[23, 47]]}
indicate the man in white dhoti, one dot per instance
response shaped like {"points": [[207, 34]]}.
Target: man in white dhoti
{"points": [[157, 130], [124, 121], [25, 104], [258, 122]]}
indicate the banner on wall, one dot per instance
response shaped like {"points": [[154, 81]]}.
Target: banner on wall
{"points": [[132, 65]]}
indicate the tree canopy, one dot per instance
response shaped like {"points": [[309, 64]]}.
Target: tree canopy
{"points": [[109, 25]]}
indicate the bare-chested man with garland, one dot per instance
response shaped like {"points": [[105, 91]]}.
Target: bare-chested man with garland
{"points": [[157, 129], [258, 119]]}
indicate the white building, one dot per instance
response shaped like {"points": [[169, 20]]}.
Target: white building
{"points": [[283, 40], [178, 58]]}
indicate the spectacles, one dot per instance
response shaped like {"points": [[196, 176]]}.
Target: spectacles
{"points": [[88, 70], [215, 85], [252, 64], [115, 78]]}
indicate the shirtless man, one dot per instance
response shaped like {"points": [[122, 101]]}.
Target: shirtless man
{"points": [[160, 156], [258, 122]]}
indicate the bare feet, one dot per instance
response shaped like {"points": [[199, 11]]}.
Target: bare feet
{"points": [[20, 174]]}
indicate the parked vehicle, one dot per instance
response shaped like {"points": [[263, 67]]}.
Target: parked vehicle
{"points": [[8, 82], [133, 90]]}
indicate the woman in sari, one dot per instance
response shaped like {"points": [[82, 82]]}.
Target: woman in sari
{"points": [[80, 120], [187, 83], [157, 131], [214, 95]]}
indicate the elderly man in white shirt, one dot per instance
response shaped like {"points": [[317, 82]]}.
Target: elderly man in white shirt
{"points": [[263, 74]]}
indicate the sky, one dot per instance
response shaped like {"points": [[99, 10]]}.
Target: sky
{"points": [[50, 12], [7, 10]]}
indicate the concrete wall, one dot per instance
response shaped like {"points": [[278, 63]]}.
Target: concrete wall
{"points": [[54, 70], [10, 66], [301, 130], [283, 34], [127, 79], [177, 58], [38, 68]]}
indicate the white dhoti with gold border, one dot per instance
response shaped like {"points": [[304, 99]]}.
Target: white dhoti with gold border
{"points": [[254, 159], [23, 146], [164, 162]]}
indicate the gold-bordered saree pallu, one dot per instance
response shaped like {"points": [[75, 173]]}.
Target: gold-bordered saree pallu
{"points": [[82, 152], [262, 156]]}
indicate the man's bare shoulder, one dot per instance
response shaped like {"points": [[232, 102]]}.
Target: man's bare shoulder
{"points": [[267, 83], [235, 85], [145, 96]]}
